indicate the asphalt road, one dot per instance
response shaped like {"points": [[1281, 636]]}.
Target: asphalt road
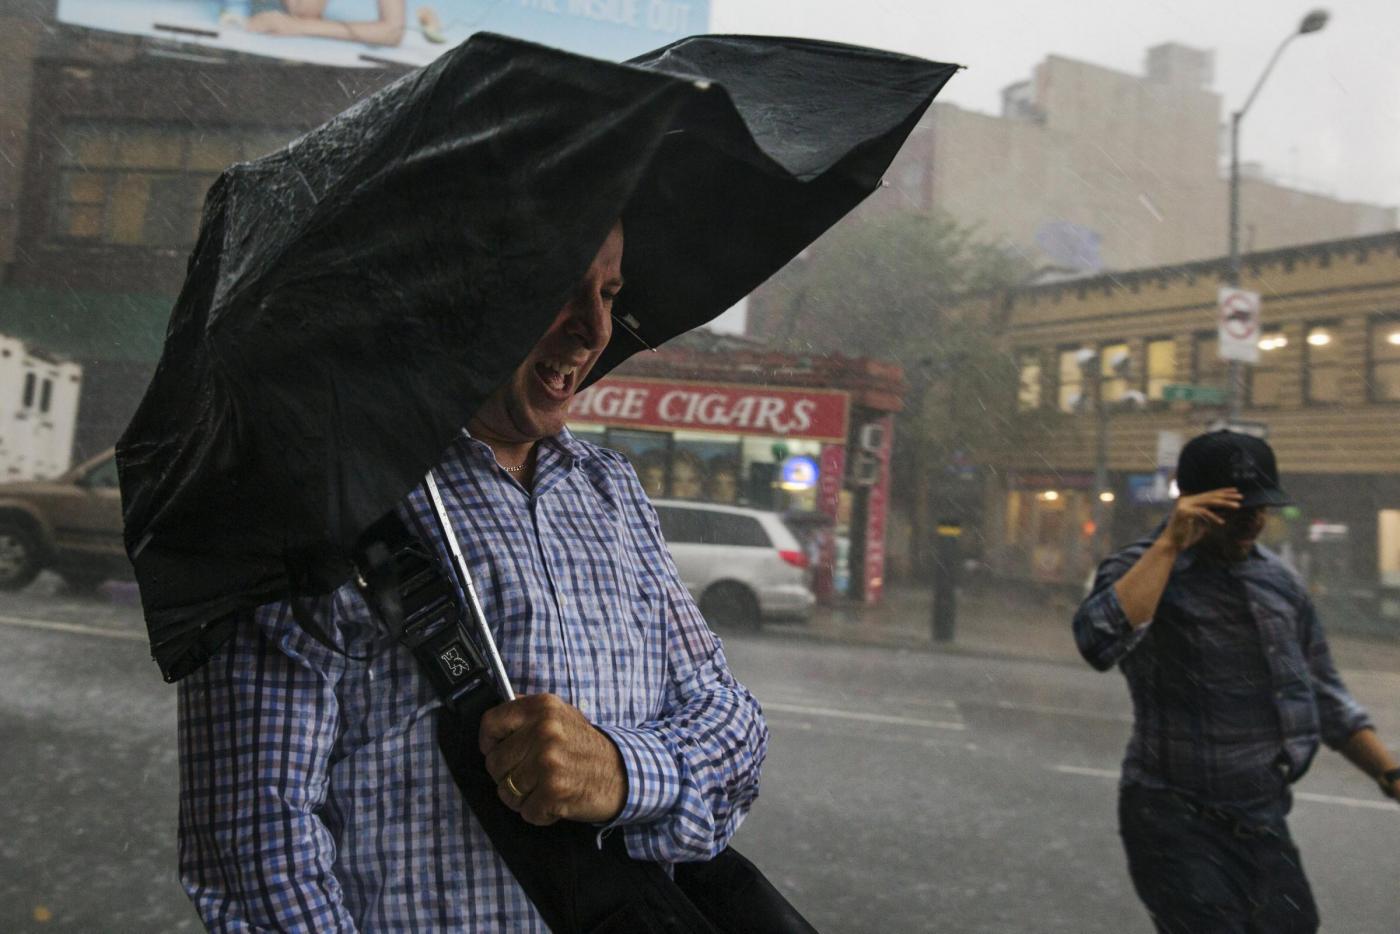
{"points": [[904, 791]]}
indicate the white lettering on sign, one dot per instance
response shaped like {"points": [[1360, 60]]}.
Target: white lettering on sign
{"points": [[622, 12], [665, 407], [655, 15], [668, 17], [633, 402], [802, 415], [610, 402], [778, 412]]}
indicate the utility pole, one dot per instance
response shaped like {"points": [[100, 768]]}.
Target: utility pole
{"points": [[1313, 22]]}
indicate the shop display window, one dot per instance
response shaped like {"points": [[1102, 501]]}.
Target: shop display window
{"points": [[1028, 394], [1209, 369], [1385, 359], [1323, 367], [706, 466], [1113, 386], [1266, 376], [1388, 550], [1161, 367]]}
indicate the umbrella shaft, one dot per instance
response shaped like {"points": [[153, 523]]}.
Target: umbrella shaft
{"points": [[464, 577]]}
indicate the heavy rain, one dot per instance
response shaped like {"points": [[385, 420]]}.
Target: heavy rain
{"points": [[979, 504]]}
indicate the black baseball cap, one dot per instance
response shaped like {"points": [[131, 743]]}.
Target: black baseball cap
{"points": [[1230, 458]]}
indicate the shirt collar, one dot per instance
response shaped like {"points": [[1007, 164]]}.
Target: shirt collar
{"points": [[564, 442]]}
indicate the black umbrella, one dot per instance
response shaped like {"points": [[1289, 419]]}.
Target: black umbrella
{"points": [[354, 297]]}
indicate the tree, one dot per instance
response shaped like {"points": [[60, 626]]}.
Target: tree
{"points": [[881, 286], [924, 291]]}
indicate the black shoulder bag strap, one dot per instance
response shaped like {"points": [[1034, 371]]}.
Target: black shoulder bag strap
{"points": [[576, 885]]}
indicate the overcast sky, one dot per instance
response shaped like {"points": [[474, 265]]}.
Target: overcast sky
{"points": [[1328, 119]]}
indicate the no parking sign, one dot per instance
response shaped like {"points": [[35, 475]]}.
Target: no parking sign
{"points": [[1239, 325]]}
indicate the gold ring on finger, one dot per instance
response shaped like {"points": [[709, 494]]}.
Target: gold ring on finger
{"points": [[510, 786]]}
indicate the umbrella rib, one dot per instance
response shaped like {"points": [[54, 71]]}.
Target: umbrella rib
{"points": [[622, 320]]}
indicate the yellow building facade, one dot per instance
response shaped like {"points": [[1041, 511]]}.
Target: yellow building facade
{"points": [[1326, 391]]}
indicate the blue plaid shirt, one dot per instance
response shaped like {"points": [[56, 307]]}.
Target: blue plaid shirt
{"points": [[313, 796], [1232, 682]]}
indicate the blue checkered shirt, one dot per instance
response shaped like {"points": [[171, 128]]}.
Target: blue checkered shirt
{"points": [[313, 796], [1231, 681]]}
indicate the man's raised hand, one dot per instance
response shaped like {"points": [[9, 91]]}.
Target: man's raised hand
{"points": [[1193, 515]]}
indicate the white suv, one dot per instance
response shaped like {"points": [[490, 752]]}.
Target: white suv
{"points": [[741, 565]]}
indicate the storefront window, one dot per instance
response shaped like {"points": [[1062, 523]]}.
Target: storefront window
{"points": [[1388, 550], [1385, 359], [705, 466], [1161, 367], [1266, 376], [1322, 372], [1113, 384], [1209, 369], [1069, 380], [763, 459], [138, 184], [649, 452], [1028, 396]]}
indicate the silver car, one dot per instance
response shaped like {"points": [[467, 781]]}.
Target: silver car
{"points": [[741, 565]]}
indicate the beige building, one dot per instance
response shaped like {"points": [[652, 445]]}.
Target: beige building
{"points": [[1326, 390], [1092, 169]]}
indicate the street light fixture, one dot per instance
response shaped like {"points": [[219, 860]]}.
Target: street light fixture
{"points": [[1313, 22]]}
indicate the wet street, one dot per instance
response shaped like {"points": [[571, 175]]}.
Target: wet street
{"points": [[905, 791]]}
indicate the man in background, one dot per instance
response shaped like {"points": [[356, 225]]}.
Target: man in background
{"points": [[1233, 689]]}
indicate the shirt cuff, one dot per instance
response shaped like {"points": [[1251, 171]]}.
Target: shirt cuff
{"points": [[1117, 617], [653, 778]]}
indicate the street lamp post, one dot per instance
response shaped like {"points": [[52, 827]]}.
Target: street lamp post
{"points": [[1313, 22]]}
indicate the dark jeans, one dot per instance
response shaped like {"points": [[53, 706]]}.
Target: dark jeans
{"points": [[1198, 872]]}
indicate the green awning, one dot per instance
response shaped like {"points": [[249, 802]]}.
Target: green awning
{"points": [[114, 326]]}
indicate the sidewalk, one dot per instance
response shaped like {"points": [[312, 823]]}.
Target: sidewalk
{"points": [[1011, 624]]}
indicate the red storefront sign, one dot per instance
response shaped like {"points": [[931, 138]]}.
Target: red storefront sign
{"points": [[735, 409], [876, 508]]}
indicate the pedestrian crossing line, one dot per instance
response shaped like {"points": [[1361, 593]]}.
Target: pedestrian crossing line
{"points": [[863, 717], [52, 625], [1309, 796], [1052, 711], [1344, 802], [1081, 770]]}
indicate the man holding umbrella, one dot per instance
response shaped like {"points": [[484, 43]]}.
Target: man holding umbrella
{"points": [[312, 790], [1233, 689], [448, 253]]}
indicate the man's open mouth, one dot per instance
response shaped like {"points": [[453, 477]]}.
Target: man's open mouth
{"points": [[557, 376]]}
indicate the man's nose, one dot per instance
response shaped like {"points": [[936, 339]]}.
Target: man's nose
{"points": [[590, 320]]}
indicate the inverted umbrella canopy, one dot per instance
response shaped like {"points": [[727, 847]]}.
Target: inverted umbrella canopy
{"points": [[353, 298]]}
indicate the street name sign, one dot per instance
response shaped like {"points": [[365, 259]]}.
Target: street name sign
{"points": [[1185, 392]]}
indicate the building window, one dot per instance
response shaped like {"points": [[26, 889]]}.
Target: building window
{"points": [[1113, 384], [1384, 378], [1322, 365], [1208, 369], [142, 184], [1266, 376], [1070, 380], [1028, 395], [1161, 367]]}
